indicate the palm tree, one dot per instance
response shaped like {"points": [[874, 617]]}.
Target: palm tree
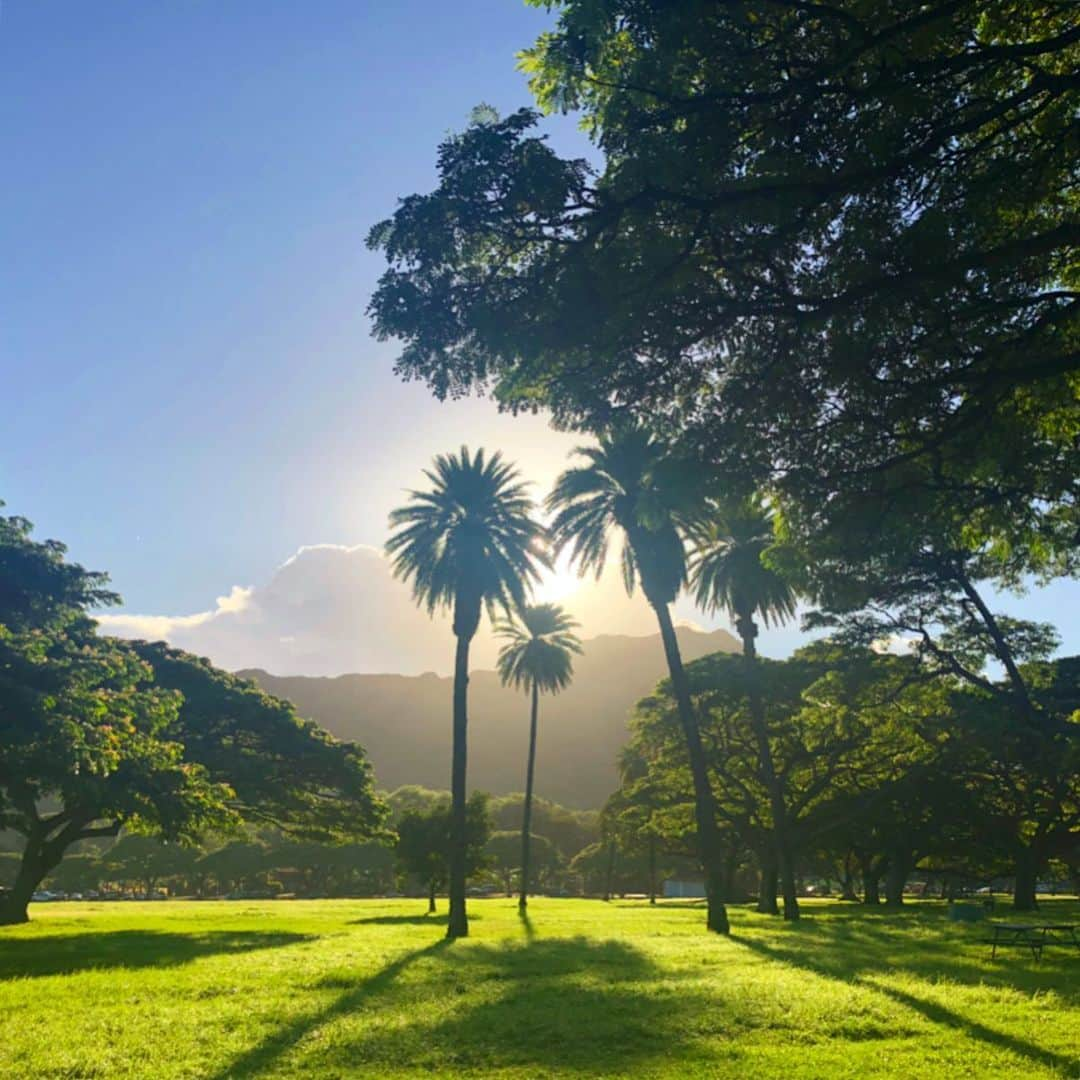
{"points": [[728, 574], [467, 543], [537, 658], [631, 483]]}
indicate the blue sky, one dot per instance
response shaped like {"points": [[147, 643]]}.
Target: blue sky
{"points": [[191, 391]]}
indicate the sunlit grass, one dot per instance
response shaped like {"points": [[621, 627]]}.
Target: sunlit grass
{"points": [[347, 988]]}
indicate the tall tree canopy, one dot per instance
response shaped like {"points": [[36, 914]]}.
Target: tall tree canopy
{"points": [[280, 768], [825, 238]]}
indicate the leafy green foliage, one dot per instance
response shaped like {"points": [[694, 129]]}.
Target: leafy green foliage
{"points": [[830, 251], [825, 238], [568, 830], [280, 768], [98, 734], [424, 840], [842, 731], [503, 854]]}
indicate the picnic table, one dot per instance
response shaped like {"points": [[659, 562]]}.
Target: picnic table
{"points": [[1033, 936]]}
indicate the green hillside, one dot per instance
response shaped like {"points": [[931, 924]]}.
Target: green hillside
{"points": [[404, 721]]}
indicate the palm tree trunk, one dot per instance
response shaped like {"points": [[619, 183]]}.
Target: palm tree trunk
{"points": [[652, 868], [709, 847], [526, 819], [458, 922], [744, 623], [610, 875]]}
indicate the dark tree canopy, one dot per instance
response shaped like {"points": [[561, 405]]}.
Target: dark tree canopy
{"points": [[825, 239]]}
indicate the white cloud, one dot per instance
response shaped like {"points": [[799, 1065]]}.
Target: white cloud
{"points": [[897, 644], [164, 626], [330, 609]]}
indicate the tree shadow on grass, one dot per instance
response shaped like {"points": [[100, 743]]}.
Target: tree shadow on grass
{"points": [[576, 1004], [67, 954], [540, 1006], [928, 948], [261, 1056], [931, 1010]]}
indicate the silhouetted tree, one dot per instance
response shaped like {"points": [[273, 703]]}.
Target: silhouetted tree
{"points": [[825, 240], [538, 657], [469, 542], [630, 484], [728, 574]]}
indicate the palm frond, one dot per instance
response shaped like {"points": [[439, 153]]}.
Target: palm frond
{"points": [[472, 534], [539, 649], [727, 571]]}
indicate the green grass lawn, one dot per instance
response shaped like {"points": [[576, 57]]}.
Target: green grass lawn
{"points": [[369, 988]]}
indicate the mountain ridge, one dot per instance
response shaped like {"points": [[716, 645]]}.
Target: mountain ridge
{"points": [[403, 721]]}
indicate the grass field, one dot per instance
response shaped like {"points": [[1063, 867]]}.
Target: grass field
{"points": [[369, 988]]}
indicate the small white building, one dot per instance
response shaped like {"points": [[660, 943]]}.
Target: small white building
{"points": [[679, 889]]}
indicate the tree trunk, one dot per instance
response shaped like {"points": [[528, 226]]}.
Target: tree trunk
{"points": [[896, 877], [871, 877], [431, 897], [767, 883], [15, 901], [847, 881], [458, 922], [39, 859], [709, 846], [652, 869], [747, 629], [610, 877], [526, 818], [1027, 874]]}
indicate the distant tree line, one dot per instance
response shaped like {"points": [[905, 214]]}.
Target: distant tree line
{"points": [[410, 859]]}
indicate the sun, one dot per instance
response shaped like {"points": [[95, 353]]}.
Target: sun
{"points": [[558, 584]]}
